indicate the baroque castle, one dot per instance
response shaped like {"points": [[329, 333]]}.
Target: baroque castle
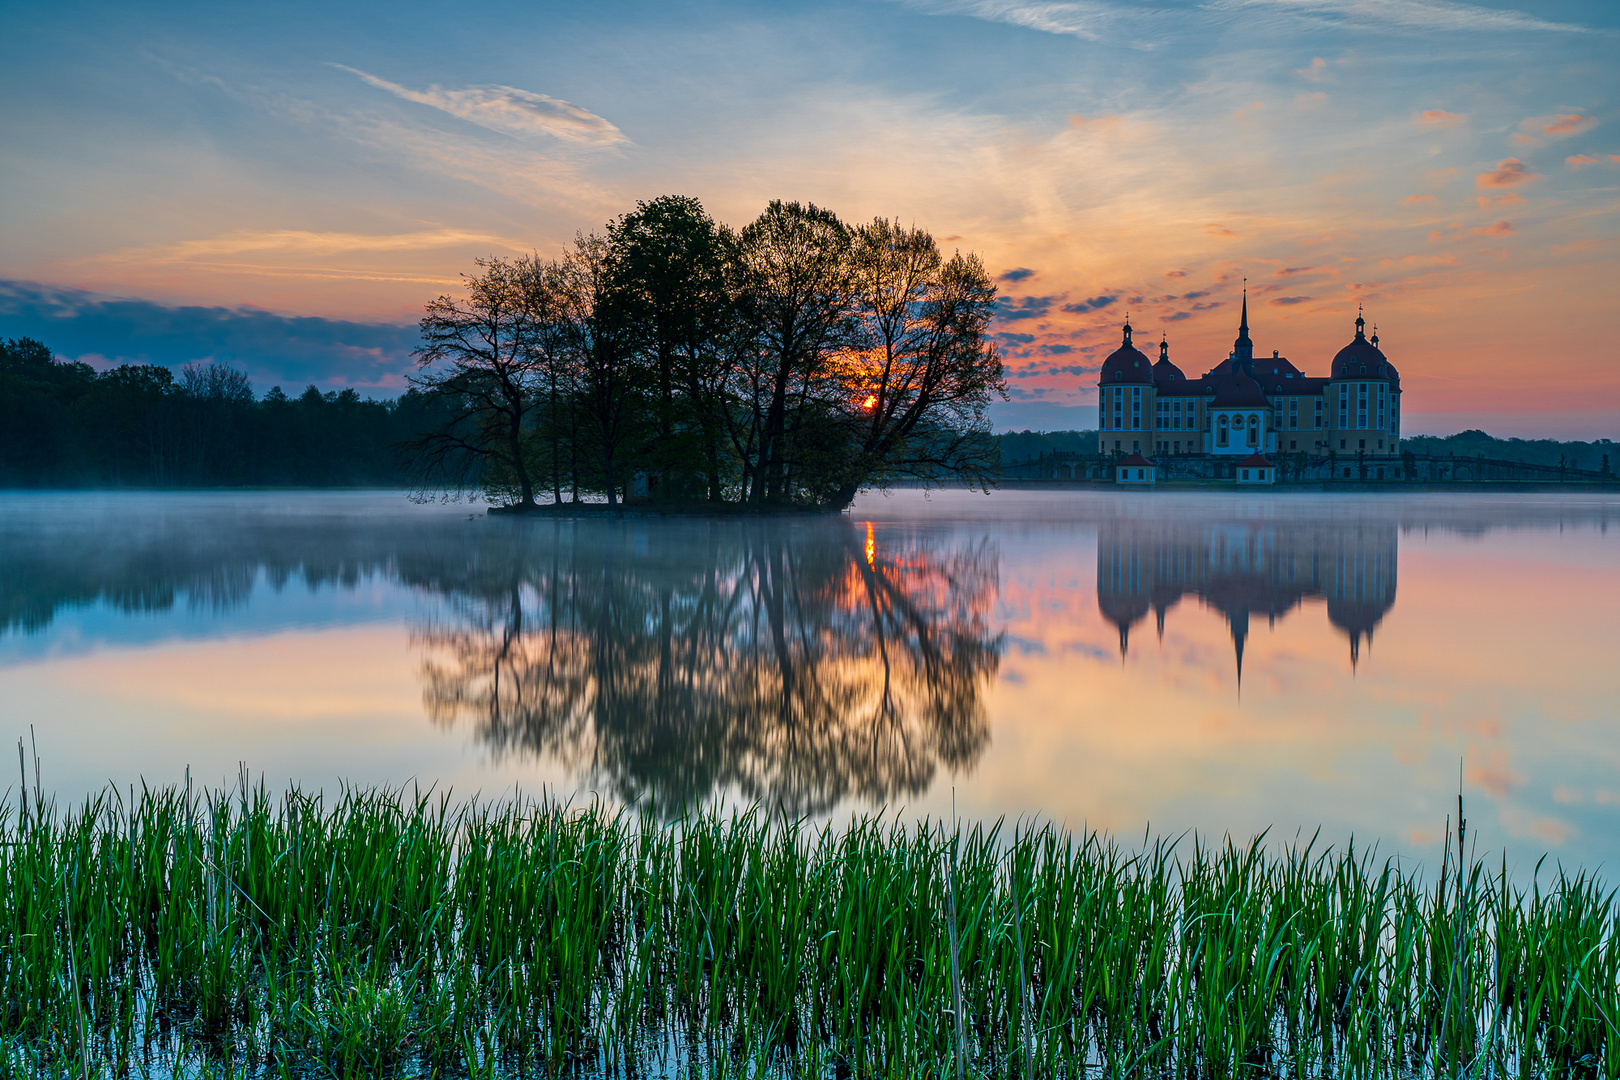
{"points": [[1246, 406]]}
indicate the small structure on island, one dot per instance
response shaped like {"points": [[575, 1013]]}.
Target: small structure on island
{"points": [[1256, 469], [1136, 469]]}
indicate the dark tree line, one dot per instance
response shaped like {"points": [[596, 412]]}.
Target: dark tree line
{"points": [[790, 363], [64, 425]]}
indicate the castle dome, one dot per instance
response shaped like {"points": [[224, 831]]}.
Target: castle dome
{"points": [[1164, 371], [1362, 359], [1127, 364]]}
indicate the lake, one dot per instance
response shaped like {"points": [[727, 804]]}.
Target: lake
{"points": [[1221, 662]]}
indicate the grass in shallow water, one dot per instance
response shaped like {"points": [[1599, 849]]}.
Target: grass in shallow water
{"points": [[240, 934]]}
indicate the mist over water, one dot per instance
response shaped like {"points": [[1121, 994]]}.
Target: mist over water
{"points": [[1226, 663]]}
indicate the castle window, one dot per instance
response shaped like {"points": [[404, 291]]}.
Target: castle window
{"points": [[1254, 430], [1221, 436]]}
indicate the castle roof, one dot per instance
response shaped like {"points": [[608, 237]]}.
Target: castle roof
{"points": [[1238, 390], [1135, 460], [1164, 371], [1127, 364], [1255, 461], [1363, 359]]}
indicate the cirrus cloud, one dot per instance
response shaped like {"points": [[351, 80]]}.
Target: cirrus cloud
{"points": [[508, 110]]}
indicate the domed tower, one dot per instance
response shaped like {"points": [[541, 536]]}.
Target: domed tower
{"points": [[1364, 408], [1164, 371], [1125, 398]]}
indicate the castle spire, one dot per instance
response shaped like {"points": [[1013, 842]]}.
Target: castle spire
{"points": [[1164, 346], [1127, 328], [1361, 324], [1243, 347]]}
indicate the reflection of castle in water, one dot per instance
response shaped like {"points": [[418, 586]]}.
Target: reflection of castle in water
{"points": [[1245, 568]]}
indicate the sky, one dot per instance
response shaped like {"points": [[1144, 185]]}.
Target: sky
{"points": [[282, 187]]}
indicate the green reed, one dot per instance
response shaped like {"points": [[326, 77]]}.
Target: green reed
{"points": [[240, 934]]}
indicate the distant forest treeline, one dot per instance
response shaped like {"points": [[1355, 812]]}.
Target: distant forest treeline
{"points": [[64, 425]]}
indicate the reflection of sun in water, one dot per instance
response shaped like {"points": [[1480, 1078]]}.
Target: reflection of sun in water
{"points": [[871, 547]]}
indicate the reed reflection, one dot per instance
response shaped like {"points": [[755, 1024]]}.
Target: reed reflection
{"points": [[796, 665], [1248, 568]]}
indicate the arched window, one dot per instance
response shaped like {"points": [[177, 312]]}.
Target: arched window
{"points": [[1254, 430], [1221, 434]]}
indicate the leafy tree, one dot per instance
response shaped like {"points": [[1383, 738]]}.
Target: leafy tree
{"points": [[794, 287], [670, 274], [477, 357], [923, 370]]}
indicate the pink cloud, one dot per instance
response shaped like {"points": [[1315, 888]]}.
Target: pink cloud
{"points": [[1218, 230], [1441, 119], [1575, 161], [1507, 173], [1567, 125], [1414, 200], [1499, 228]]}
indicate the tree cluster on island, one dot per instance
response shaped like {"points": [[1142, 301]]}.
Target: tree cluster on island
{"points": [[787, 364]]}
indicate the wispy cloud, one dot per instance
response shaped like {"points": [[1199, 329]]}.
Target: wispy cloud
{"points": [[1075, 19], [306, 243], [1441, 15], [508, 110], [1441, 119]]}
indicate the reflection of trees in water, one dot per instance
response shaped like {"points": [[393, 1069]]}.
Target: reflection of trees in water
{"points": [[795, 664]]}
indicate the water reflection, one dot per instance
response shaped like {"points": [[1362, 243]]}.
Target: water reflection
{"points": [[795, 665], [954, 652], [1247, 568]]}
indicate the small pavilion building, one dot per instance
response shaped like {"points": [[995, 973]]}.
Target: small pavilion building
{"points": [[1136, 470], [1256, 469]]}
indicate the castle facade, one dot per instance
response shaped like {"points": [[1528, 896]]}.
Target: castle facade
{"points": [[1244, 406]]}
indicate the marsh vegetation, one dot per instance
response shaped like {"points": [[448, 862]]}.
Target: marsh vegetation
{"points": [[236, 933]]}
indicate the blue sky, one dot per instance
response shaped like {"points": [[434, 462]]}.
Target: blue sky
{"points": [[283, 186]]}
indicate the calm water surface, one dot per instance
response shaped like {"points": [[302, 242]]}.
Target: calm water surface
{"points": [[1219, 662]]}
